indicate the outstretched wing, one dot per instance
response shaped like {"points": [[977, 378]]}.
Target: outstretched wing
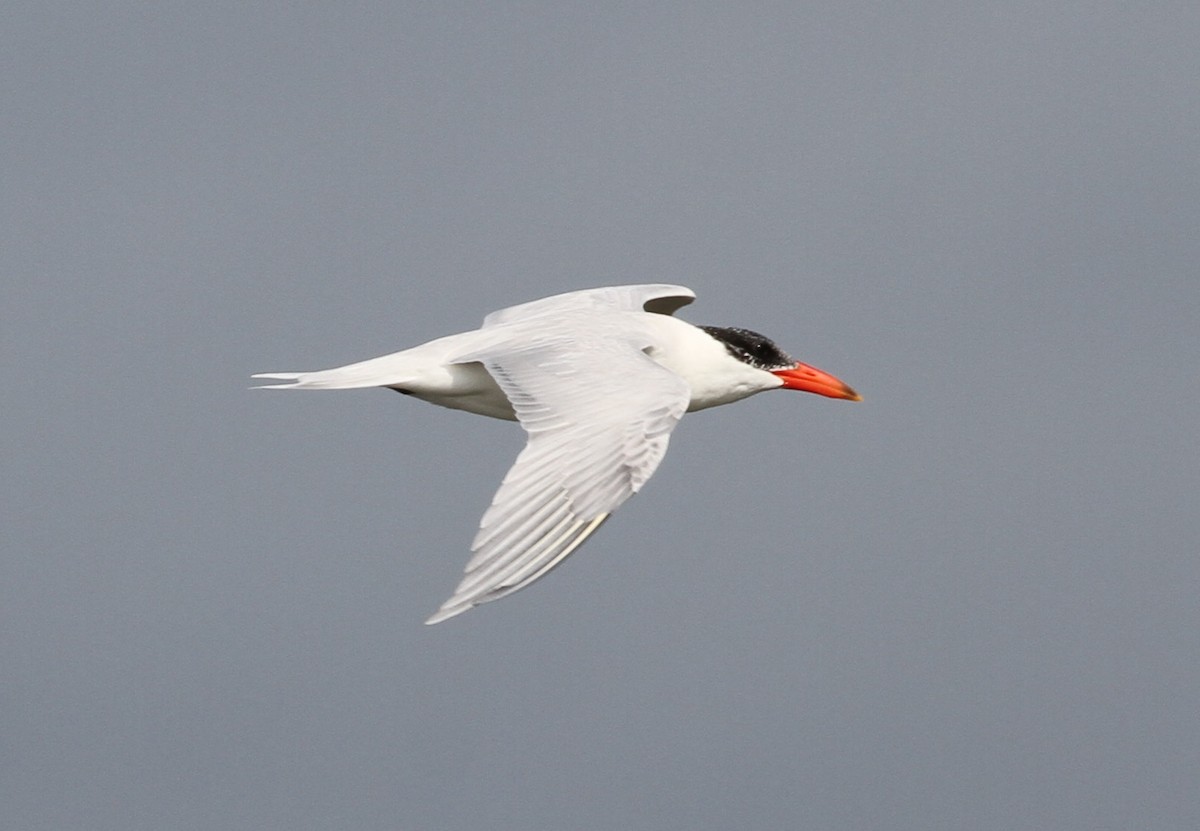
{"points": [[657, 298], [598, 413]]}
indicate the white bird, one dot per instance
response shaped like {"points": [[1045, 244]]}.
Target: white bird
{"points": [[598, 379]]}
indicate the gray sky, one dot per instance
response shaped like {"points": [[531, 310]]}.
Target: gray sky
{"points": [[970, 601]]}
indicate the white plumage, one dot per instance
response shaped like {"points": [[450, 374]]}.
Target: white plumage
{"points": [[598, 379]]}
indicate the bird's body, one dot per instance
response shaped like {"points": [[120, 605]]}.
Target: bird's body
{"points": [[598, 379]]}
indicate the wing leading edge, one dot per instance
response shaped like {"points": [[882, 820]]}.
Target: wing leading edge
{"points": [[599, 414]]}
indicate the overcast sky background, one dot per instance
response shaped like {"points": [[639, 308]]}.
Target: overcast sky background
{"points": [[970, 601]]}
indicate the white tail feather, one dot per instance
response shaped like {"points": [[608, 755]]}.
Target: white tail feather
{"points": [[279, 376], [388, 371], [329, 379]]}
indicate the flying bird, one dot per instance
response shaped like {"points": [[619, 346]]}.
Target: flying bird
{"points": [[598, 379]]}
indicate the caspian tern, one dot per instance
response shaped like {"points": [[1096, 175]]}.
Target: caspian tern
{"points": [[598, 379]]}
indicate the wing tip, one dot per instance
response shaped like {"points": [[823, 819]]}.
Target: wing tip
{"points": [[478, 595], [447, 611]]}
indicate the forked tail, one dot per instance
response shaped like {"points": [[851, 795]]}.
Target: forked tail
{"points": [[295, 377], [344, 378], [385, 371]]}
